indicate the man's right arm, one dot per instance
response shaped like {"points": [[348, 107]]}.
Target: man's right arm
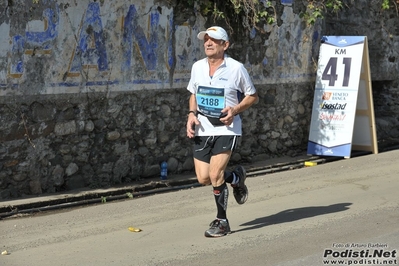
{"points": [[192, 104], [192, 117]]}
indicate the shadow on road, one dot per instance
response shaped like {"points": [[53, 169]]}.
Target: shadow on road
{"points": [[291, 215]]}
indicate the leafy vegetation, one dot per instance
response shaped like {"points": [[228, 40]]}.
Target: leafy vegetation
{"points": [[254, 12], [317, 9]]}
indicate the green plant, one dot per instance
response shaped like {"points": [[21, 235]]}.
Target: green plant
{"points": [[317, 9], [385, 4], [250, 13], [103, 199]]}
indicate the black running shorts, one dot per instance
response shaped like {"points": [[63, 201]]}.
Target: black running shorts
{"points": [[206, 146]]}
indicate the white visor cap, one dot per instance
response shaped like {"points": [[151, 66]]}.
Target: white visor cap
{"points": [[214, 32]]}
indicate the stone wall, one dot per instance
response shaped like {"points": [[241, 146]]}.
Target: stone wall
{"points": [[93, 94], [97, 140]]}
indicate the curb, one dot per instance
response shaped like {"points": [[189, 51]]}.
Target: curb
{"points": [[63, 201]]}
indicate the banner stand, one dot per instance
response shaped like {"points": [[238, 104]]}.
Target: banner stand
{"points": [[343, 109], [364, 135]]}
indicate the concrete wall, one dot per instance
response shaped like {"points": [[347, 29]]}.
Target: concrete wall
{"points": [[92, 93]]}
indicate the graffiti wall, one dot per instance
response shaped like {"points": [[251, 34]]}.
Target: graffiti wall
{"points": [[65, 46]]}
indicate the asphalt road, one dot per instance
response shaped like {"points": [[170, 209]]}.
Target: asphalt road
{"points": [[347, 210]]}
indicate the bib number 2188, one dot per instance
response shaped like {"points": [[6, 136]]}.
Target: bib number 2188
{"points": [[330, 72]]}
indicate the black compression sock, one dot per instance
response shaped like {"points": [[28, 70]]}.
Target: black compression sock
{"points": [[231, 178], [221, 194], [228, 177]]}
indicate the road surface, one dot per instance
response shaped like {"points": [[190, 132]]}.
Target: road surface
{"points": [[345, 211]]}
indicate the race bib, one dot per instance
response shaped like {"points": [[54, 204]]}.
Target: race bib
{"points": [[210, 101]]}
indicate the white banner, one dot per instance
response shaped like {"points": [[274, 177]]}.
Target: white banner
{"points": [[336, 93]]}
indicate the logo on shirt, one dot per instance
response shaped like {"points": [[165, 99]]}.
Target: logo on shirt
{"points": [[223, 79]]}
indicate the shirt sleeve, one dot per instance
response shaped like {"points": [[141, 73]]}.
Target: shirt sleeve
{"points": [[246, 83], [190, 86]]}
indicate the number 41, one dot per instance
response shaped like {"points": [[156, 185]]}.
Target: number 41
{"points": [[330, 72]]}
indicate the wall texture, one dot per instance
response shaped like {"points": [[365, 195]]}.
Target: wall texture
{"points": [[93, 93]]}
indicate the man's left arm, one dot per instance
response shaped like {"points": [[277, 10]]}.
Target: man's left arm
{"points": [[251, 95], [247, 102], [239, 108]]}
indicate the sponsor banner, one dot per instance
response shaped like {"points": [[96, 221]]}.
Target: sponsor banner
{"points": [[336, 95]]}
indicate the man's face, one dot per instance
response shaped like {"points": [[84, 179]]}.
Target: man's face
{"points": [[214, 48]]}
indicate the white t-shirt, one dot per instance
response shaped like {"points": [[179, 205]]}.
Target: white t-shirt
{"points": [[231, 81]]}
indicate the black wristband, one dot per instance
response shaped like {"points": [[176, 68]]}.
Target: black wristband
{"points": [[194, 112]]}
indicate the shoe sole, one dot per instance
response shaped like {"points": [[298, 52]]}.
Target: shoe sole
{"points": [[245, 186], [246, 198], [218, 235], [245, 175]]}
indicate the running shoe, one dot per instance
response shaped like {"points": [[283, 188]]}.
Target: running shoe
{"points": [[240, 190], [218, 228]]}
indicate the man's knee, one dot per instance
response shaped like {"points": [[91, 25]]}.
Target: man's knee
{"points": [[204, 180]]}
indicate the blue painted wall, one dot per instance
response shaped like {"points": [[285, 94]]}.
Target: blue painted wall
{"points": [[131, 45]]}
